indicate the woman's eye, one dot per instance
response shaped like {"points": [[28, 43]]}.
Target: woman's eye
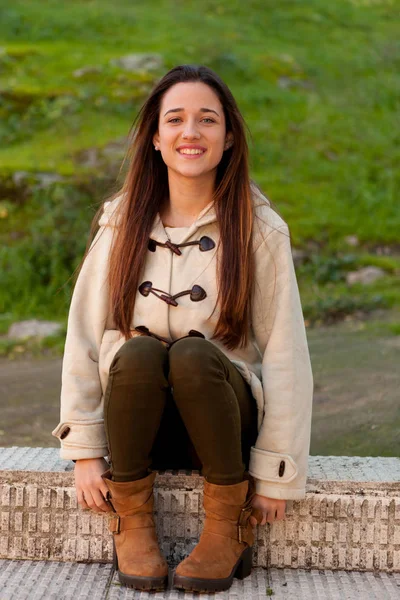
{"points": [[205, 119]]}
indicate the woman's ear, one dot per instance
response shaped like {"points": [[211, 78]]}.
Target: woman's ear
{"points": [[156, 139], [228, 140]]}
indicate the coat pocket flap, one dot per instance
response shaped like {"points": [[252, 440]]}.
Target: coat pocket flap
{"points": [[272, 466]]}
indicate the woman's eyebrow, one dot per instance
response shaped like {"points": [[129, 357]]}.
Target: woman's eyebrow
{"points": [[201, 110]]}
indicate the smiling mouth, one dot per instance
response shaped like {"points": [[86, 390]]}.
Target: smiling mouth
{"points": [[190, 152]]}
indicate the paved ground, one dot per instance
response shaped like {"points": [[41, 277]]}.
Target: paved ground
{"points": [[34, 580]]}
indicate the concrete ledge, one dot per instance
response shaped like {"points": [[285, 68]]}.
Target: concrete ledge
{"points": [[350, 519]]}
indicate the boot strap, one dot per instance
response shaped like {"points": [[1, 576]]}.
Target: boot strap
{"points": [[229, 511], [143, 500], [138, 521], [234, 531]]}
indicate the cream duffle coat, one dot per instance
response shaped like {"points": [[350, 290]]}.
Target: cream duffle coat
{"points": [[276, 362]]}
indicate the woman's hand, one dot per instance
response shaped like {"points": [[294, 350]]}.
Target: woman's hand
{"points": [[273, 509], [91, 490]]}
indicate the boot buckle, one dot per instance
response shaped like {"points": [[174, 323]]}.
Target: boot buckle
{"points": [[243, 522], [245, 514], [118, 529], [241, 532]]}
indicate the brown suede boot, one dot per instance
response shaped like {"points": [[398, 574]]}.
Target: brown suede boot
{"points": [[137, 556], [224, 550]]}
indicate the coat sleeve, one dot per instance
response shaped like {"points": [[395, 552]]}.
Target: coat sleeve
{"points": [[81, 428], [279, 459]]}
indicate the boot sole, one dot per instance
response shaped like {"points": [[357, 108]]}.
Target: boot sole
{"points": [[139, 581], [241, 569]]}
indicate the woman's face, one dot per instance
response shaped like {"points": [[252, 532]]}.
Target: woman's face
{"points": [[191, 115]]}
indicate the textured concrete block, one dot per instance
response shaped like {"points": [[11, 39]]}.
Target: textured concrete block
{"points": [[349, 520]]}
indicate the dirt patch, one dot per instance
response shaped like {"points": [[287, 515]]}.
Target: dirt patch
{"points": [[29, 401], [357, 391], [356, 394]]}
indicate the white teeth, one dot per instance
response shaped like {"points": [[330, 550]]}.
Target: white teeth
{"points": [[190, 151]]}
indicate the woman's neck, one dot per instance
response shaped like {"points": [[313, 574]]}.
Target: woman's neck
{"points": [[187, 198]]}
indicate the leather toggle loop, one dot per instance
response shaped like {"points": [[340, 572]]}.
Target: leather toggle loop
{"points": [[146, 331], [197, 293], [205, 244], [173, 247]]}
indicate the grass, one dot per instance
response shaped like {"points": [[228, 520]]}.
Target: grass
{"points": [[318, 85]]}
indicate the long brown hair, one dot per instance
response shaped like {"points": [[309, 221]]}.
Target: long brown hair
{"points": [[145, 187]]}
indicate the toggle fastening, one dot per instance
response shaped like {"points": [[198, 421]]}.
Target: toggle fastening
{"points": [[205, 244], [197, 293]]}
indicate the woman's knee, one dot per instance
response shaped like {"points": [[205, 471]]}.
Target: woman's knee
{"points": [[140, 351], [191, 358]]}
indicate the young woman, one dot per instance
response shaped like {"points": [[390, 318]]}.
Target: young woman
{"points": [[186, 345]]}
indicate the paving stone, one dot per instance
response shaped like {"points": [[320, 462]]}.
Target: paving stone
{"points": [[48, 580]]}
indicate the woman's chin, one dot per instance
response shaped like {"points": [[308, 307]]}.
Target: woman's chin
{"points": [[191, 171]]}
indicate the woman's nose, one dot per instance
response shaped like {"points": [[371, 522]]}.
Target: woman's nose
{"points": [[190, 131]]}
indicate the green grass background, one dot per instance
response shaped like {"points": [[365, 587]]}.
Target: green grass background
{"points": [[318, 84]]}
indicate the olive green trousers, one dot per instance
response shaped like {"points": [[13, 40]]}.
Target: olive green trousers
{"points": [[183, 407]]}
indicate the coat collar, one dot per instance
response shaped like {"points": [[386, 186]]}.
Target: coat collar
{"points": [[158, 233], [206, 216]]}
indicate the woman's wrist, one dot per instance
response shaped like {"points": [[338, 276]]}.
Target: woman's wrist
{"points": [[76, 459]]}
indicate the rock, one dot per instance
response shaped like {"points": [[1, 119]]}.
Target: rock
{"points": [[37, 180], [45, 180], [352, 240], [86, 71], [89, 157], [19, 177], [16, 235], [313, 246], [139, 62], [330, 155], [33, 328], [116, 148], [288, 82], [365, 275], [384, 250], [110, 156], [299, 256]]}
